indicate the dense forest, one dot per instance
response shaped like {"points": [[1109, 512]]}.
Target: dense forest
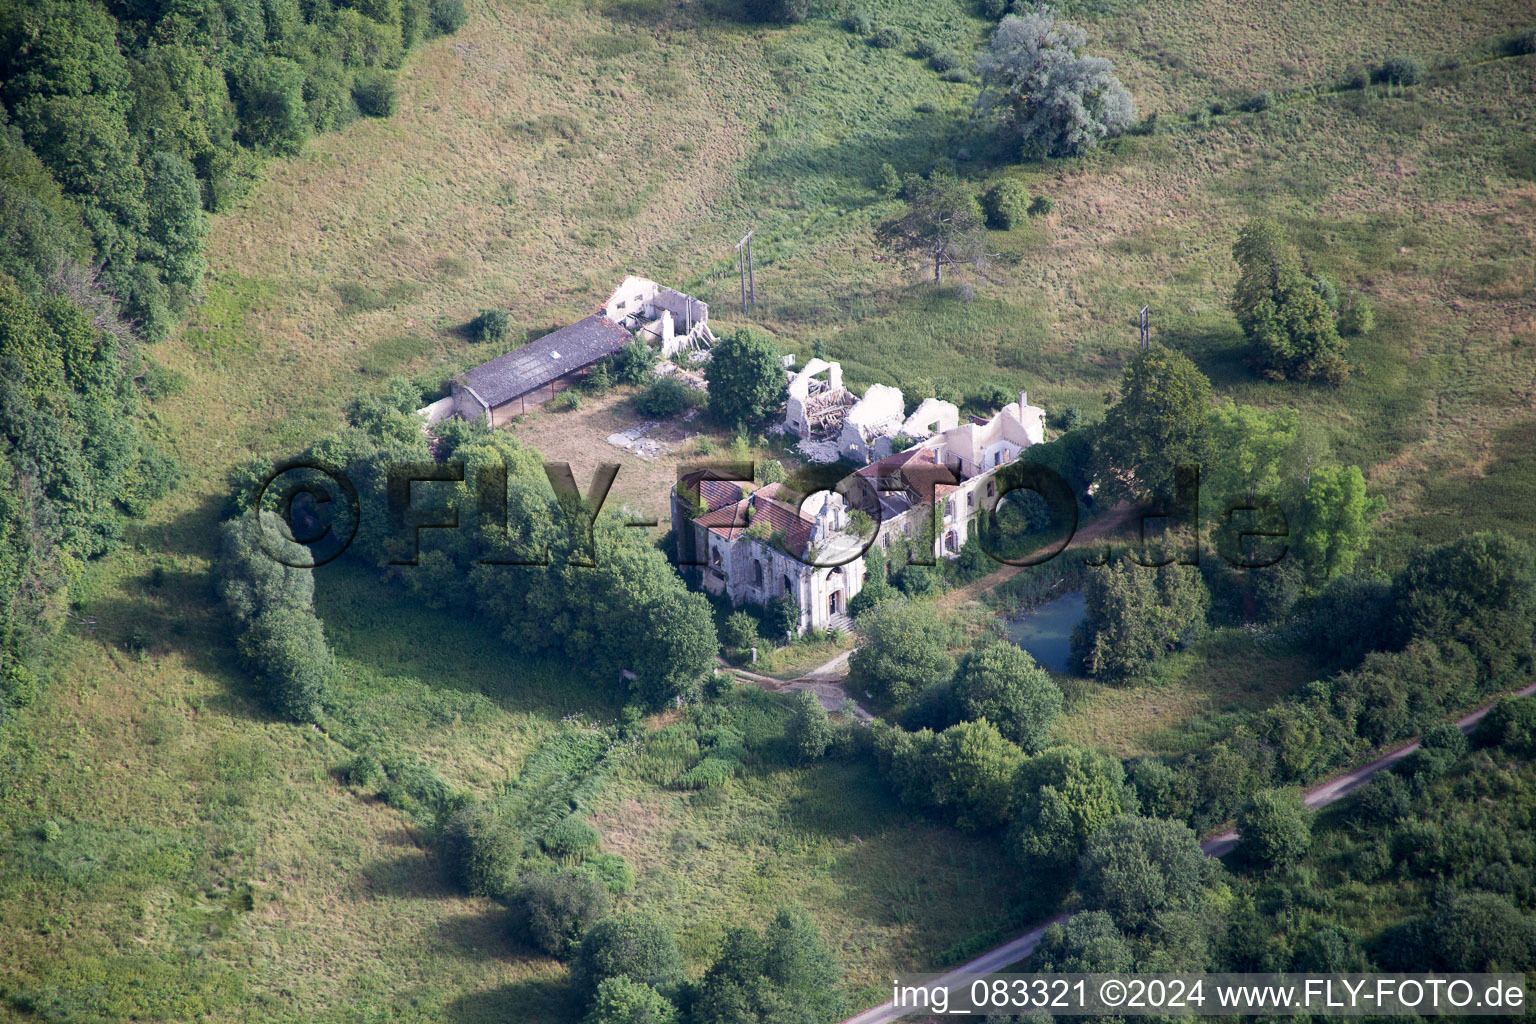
{"points": [[122, 126]]}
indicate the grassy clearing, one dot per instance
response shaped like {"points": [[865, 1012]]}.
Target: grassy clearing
{"points": [[888, 888], [1234, 670]]}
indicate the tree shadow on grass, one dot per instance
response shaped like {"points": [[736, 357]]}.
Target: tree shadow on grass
{"points": [[413, 874], [546, 1000], [172, 610], [1218, 350]]}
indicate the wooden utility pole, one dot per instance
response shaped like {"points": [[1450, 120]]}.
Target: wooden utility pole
{"points": [[744, 270]]}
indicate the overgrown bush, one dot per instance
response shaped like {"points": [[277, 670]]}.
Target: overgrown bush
{"points": [[810, 731], [374, 93], [447, 16], [886, 38], [288, 650], [1521, 43], [666, 397], [612, 870], [571, 839], [492, 325], [1007, 204], [633, 362], [1358, 316], [1057, 100], [485, 849], [1399, 70], [1041, 206], [739, 632], [1510, 724], [1274, 829], [782, 12], [554, 910], [709, 773], [638, 945]]}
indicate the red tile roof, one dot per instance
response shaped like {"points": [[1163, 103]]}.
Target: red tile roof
{"points": [[773, 504]]}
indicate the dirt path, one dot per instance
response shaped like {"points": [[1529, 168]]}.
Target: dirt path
{"points": [[1013, 951], [827, 687]]}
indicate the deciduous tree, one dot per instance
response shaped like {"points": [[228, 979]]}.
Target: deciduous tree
{"points": [[1161, 421], [1274, 829], [1062, 797], [1001, 683], [746, 379], [903, 647], [1136, 868], [1058, 101]]}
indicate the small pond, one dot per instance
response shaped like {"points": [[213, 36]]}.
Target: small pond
{"points": [[1046, 631]]}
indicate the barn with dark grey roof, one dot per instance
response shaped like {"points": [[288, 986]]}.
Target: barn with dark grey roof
{"points": [[527, 377]]}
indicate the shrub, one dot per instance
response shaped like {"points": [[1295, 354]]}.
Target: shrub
{"points": [[889, 183], [1399, 70], [857, 22], [571, 839], [810, 731], [485, 850], [783, 12], [1063, 796], [1274, 829], [552, 910], [1001, 683], [886, 38], [1510, 724], [1136, 868], [771, 471], [709, 773], [746, 378], [1358, 316], [269, 97], [917, 581], [739, 632], [374, 93], [492, 325], [621, 1001], [1057, 100], [447, 16], [633, 362], [1386, 801], [958, 75], [1041, 206], [612, 870], [638, 945], [666, 397], [1069, 418], [568, 400], [1007, 204], [944, 60], [1258, 101], [287, 648], [1136, 615], [905, 647], [1521, 44]]}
